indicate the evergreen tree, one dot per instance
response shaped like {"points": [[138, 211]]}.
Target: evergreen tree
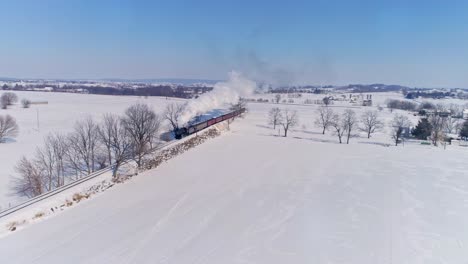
{"points": [[464, 130], [423, 130]]}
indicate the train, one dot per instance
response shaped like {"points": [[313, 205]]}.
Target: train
{"points": [[195, 127]]}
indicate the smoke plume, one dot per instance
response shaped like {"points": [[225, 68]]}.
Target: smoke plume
{"points": [[223, 94]]}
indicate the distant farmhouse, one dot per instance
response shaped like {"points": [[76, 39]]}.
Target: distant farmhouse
{"points": [[43, 89], [367, 101]]}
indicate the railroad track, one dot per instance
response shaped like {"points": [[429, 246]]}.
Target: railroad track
{"points": [[63, 188], [91, 176]]}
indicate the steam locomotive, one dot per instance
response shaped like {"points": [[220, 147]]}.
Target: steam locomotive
{"points": [[194, 128]]}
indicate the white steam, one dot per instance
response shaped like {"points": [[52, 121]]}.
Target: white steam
{"points": [[223, 93]]}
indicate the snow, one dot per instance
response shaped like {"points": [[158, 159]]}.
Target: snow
{"points": [[59, 115], [250, 196]]}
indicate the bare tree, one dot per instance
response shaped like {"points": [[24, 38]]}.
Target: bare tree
{"points": [[349, 122], [456, 110], [452, 125], [105, 130], [29, 180], [458, 126], [8, 98], [370, 122], [398, 124], [277, 98], [275, 117], [46, 163], [241, 104], [143, 124], [101, 158], [121, 146], [290, 119], [3, 103], [438, 124], [25, 103], [8, 127], [173, 113], [325, 118], [83, 142], [117, 139], [338, 126], [440, 107], [59, 145]]}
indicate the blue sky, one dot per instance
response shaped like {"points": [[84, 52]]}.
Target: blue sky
{"points": [[416, 43]]}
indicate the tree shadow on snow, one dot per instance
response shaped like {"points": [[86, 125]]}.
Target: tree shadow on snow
{"points": [[263, 126], [319, 140], [269, 135], [374, 143], [308, 132], [8, 141]]}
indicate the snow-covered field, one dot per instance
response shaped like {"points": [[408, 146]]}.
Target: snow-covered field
{"points": [[59, 115], [250, 196]]}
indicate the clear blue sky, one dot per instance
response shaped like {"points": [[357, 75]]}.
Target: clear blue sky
{"points": [[408, 42]]}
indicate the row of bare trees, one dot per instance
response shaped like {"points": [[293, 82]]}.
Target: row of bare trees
{"points": [[398, 125], [345, 125], [7, 99], [369, 122], [89, 147]]}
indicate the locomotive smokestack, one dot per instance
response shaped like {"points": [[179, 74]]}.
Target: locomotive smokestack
{"points": [[223, 93]]}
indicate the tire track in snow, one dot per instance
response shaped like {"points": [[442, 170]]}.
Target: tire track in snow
{"points": [[75, 235]]}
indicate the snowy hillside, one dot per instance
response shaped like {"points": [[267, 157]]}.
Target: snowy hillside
{"points": [[250, 196], [59, 115]]}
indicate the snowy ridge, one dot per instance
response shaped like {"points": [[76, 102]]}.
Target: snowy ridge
{"points": [[58, 200], [65, 187], [58, 116]]}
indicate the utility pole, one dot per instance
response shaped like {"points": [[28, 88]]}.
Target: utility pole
{"points": [[37, 119]]}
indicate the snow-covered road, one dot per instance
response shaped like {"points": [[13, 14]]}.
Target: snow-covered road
{"points": [[249, 197]]}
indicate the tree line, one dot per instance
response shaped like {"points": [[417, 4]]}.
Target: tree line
{"points": [[8, 98], [89, 147], [180, 91], [455, 110], [437, 128], [344, 125]]}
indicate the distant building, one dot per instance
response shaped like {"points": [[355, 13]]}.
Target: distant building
{"points": [[444, 114], [81, 90], [367, 102], [45, 89]]}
